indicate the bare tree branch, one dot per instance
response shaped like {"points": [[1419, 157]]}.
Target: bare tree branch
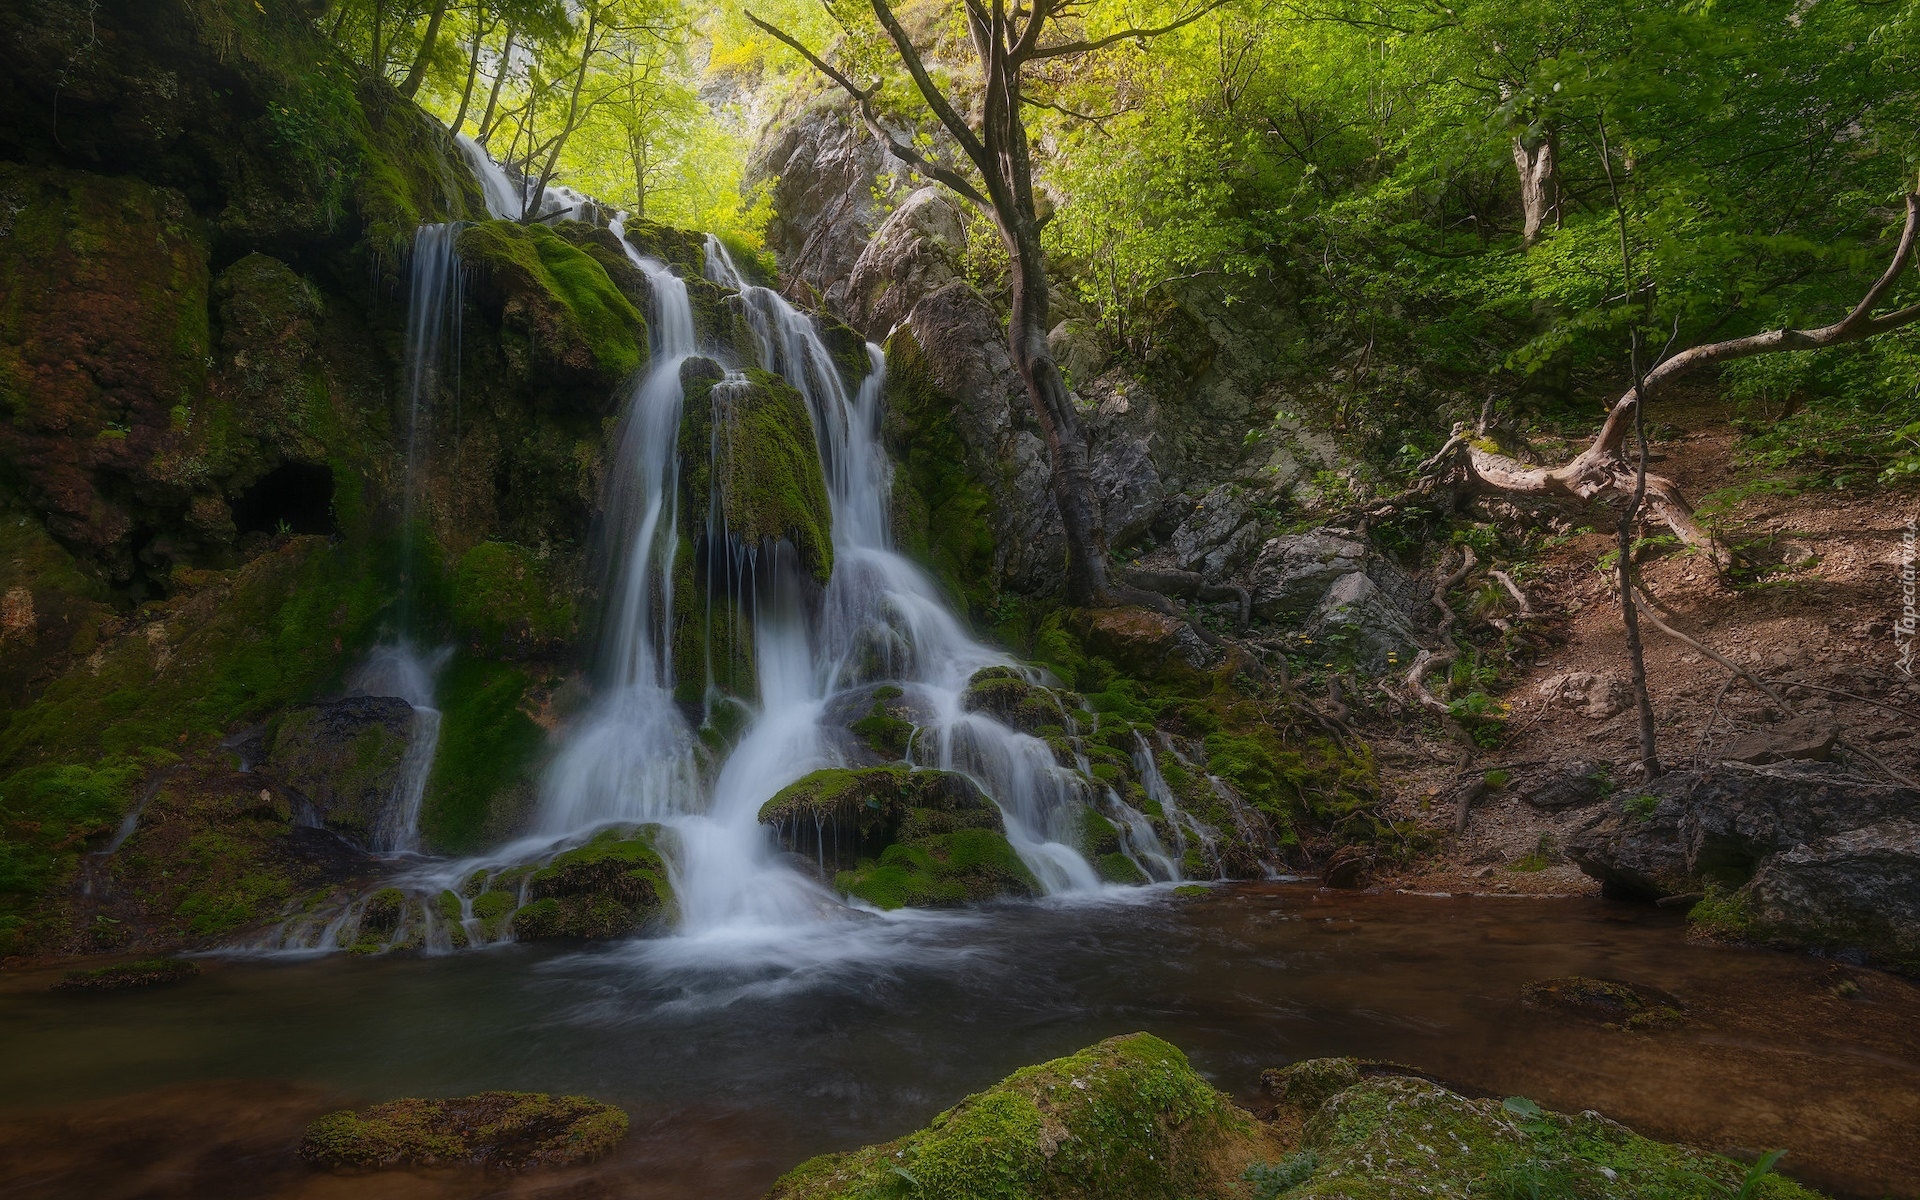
{"points": [[1086, 47]]}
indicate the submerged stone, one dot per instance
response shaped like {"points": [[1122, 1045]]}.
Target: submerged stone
{"points": [[1127, 1119], [145, 973], [500, 1130], [1623, 1004]]}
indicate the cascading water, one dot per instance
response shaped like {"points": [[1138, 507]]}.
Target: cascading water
{"points": [[507, 193], [402, 669]]}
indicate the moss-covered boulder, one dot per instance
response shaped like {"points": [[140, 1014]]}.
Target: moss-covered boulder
{"points": [[1127, 1119], [498, 1130], [942, 516], [839, 816], [51, 610], [614, 886], [343, 758], [748, 455], [941, 870], [1010, 698], [482, 787], [1386, 1136], [131, 976], [563, 323]]}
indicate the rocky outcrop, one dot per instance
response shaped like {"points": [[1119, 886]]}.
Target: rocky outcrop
{"points": [[827, 177], [913, 254], [1800, 854]]}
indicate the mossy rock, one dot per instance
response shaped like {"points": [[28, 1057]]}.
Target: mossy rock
{"points": [[886, 728], [1010, 698], [1626, 1005], [122, 977], [344, 758], [1388, 1136], [1127, 1119], [613, 886], [838, 816], [752, 442], [563, 321], [505, 601], [941, 870], [498, 1130], [682, 249], [942, 516], [483, 782]]}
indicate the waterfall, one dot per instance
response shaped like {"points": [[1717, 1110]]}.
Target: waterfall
{"points": [[400, 668], [507, 192]]}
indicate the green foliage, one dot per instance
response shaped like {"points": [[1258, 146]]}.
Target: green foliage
{"points": [[1721, 913], [966, 865], [1270, 1179]]}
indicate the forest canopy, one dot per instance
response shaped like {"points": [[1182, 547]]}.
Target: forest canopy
{"points": [[1441, 186]]}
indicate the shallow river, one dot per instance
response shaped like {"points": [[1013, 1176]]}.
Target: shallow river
{"points": [[733, 1073]]}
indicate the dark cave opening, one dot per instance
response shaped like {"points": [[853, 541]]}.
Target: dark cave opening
{"points": [[291, 498]]}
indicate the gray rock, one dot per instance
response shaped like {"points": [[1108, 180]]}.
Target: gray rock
{"points": [[1292, 574], [1691, 828], [1218, 535], [1126, 483], [1566, 785], [829, 181], [1802, 738], [913, 254], [1078, 349], [963, 346], [342, 759], [1357, 618], [1855, 891], [1595, 696]]}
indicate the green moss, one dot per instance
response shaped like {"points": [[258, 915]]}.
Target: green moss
{"points": [[560, 303], [228, 650], [510, 1130], [942, 869], [614, 885], [1118, 868], [754, 446], [144, 973], [503, 599], [482, 779], [1722, 913], [1388, 1136], [942, 516], [1127, 1119], [884, 733]]}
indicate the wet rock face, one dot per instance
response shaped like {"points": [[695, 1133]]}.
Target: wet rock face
{"points": [[498, 1130], [1219, 535], [836, 817], [343, 759], [1806, 856], [1854, 890], [1566, 785]]}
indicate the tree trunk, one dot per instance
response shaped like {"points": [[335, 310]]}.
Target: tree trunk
{"points": [[1539, 185], [377, 56], [1072, 478], [571, 120], [418, 71], [473, 67], [493, 95], [637, 147]]}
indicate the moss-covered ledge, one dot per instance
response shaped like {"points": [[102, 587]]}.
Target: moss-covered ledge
{"points": [[563, 321], [752, 442]]}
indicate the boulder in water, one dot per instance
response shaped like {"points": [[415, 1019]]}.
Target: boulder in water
{"points": [[343, 759], [1368, 1132], [1619, 1004], [1128, 1117], [122, 977], [500, 1130], [839, 816], [1010, 698], [614, 886], [1857, 891]]}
